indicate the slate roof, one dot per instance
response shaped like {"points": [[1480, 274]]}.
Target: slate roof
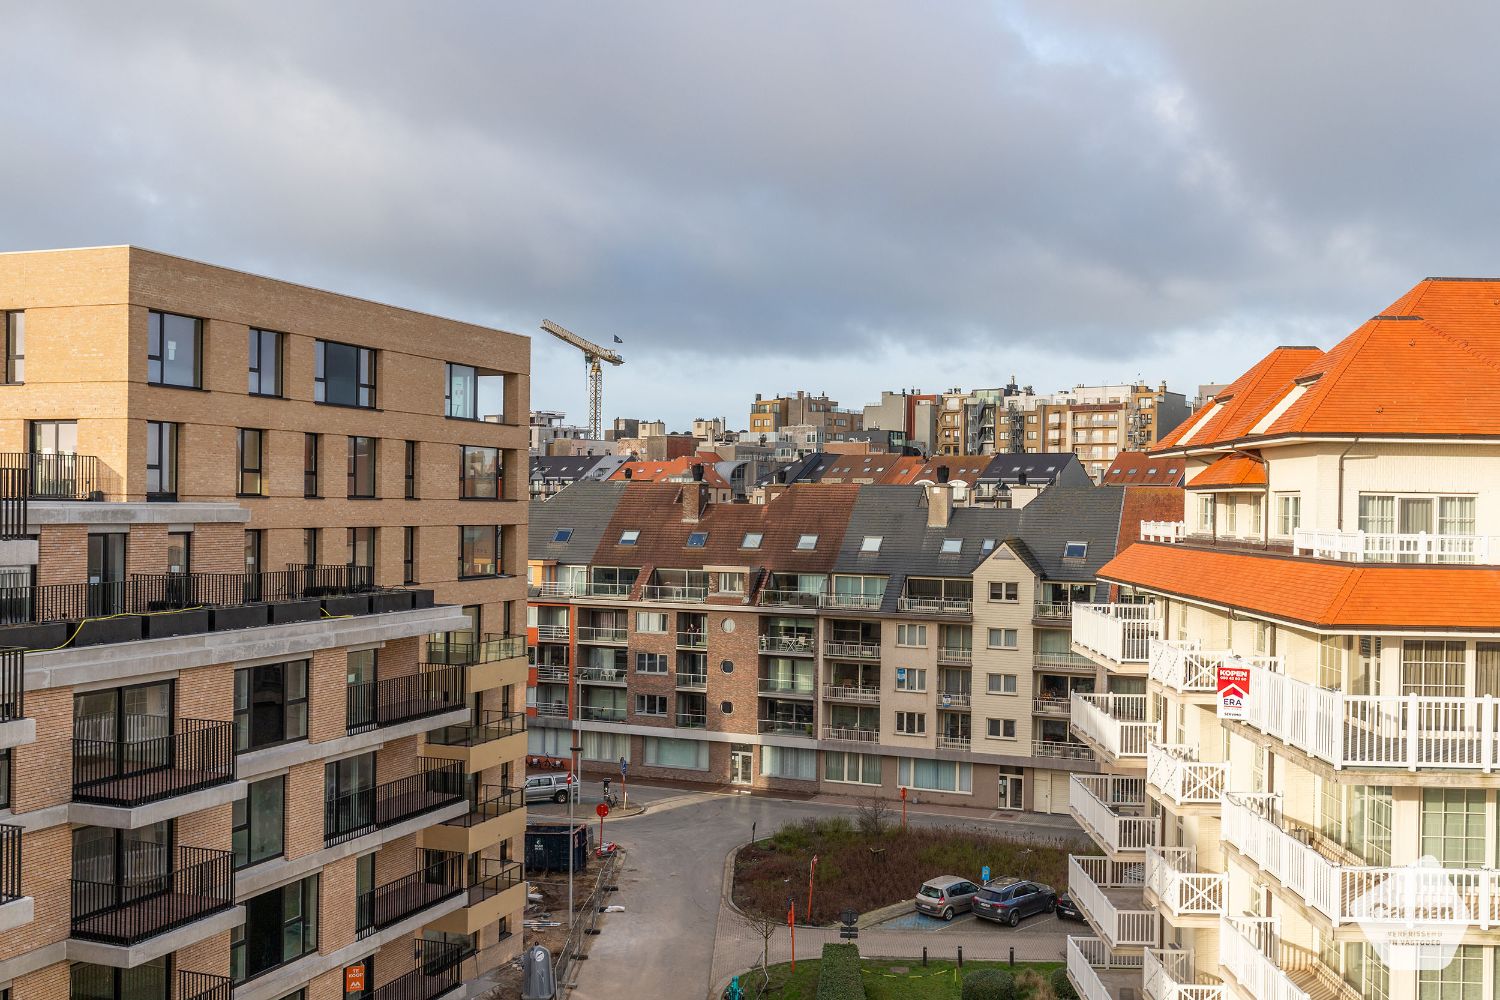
{"points": [[583, 507], [1136, 468], [1039, 467], [572, 468]]}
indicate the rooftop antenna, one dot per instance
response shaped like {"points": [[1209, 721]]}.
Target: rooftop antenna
{"points": [[592, 355]]}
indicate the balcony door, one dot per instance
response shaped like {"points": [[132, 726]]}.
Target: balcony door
{"points": [[122, 730], [106, 558], [114, 868], [54, 470]]}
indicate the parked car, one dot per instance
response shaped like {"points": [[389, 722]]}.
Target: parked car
{"points": [[1067, 909], [945, 896], [1009, 900], [553, 787]]}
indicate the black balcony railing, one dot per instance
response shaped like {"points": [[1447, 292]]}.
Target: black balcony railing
{"points": [[12, 684], [354, 814], [14, 519], [153, 762], [494, 877], [491, 726], [332, 579], [202, 986], [464, 652], [438, 879], [437, 972], [401, 699], [54, 476], [198, 884], [491, 802], [10, 862]]}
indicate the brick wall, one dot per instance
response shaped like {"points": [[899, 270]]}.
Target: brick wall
{"points": [[206, 693], [42, 772], [327, 697], [62, 554], [48, 983], [210, 955], [336, 905], [47, 863], [304, 809]]}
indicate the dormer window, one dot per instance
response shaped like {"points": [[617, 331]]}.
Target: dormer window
{"points": [[870, 544], [697, 540], [562, 535], [1075, 550], [806, 543], [630, 537], [952, 546], [751, 540]]}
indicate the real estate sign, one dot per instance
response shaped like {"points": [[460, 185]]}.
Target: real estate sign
{"points": [[1234, 690]]}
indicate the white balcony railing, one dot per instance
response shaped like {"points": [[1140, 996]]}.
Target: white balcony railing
{"points": [[954, 698], [552, 709], [601, 633], [1061, 750], [1121, 633], [852, 692], [554, 672], [851, 650], [1246, 945], [1162, 531], [556, 588], [1051, 706], [1113, 809], [1188, 669], [1181, 777], [1123, 921], [1417, 547], [1171, 873], [955, 742], [1376, 731], [848, 734], [935, 605], [1168, 975], [1091, 960], [803, 644], [1114, 722], [552, 633], [681, 595], [1253, 825], [853, 602]]}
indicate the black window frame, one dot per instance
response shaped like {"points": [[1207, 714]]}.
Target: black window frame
{"points": [[6, 760], [365, 363], [312, 540], [410, 473], [409, 555], [466, 483], [246, 823], [15, 347], [354, 472], [256, 345], [156, 338], [448, 391], [245, 711], [124, 984], [309, 890], [351, 539], [312, 446], [157, 433], [246, 468], [463, 532]]}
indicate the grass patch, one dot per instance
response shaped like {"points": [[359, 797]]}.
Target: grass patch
{"points": [[938, 981], [868, 869]]}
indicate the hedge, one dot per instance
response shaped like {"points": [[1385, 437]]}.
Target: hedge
{"points": [[1062, 986], [989, 984], [838, 975]]}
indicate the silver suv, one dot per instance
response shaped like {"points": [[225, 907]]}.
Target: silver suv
{"points": [[946, 895], [554, 787]]}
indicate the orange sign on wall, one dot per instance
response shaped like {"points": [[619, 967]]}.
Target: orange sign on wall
{"points": [[354, 978]]}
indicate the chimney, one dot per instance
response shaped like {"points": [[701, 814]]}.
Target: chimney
{"points": [[627, 472], [939, 505], [694, 502]]}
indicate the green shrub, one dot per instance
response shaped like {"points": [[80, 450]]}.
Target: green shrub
{"points": [[988, 984], [1062, 986], [838, 974]]}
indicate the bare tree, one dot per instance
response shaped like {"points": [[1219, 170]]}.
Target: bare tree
{"points": [[873, 816], [765, 926]]}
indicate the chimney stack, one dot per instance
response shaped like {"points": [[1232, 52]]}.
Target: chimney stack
{"points": [[939, 505], [694, 502]]}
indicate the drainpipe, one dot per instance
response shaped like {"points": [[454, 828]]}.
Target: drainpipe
{"points": [[1340, 523]]}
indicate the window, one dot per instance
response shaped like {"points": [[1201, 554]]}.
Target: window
{"points": [[265, 363], [1462, 978], [870, 544], [361, 543], [1288, 513], [161, 460], [650, 621], [1000, 729], [310, 545], [1433, 668], [910, 679], [343, 374], [310, 444], [361, 468], [15, 348], [148, 981], [1206, 512], [731, 583], [409, 555], [1000, 683], [911, 723], [664, 752], [851, 768], [270, 705], [252, 482], [697, 539], [478, 550], [174, 348], [650, 663], [1257, 513], [562, 535], [605, 746], [952, 546], [789, 762], [1002, 638], [806, 543], [630, 536], [479, 474], [280, 926], [260, 822], [751, 540], [461, 397], [255, 547], [410, 470], [650, 704], [911, 635], [1005, 591], [1075, 550], [934, 775]]}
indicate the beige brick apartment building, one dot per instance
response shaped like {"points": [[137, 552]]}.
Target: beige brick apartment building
{"points": [[260, 716]]}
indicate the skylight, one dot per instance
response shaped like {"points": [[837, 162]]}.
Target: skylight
{"points": [[697, 540], [807, 542], [630, 537], [562, 534], [1075, 550], [870, 544], [751, 540], [987, 546], [952, 545]]}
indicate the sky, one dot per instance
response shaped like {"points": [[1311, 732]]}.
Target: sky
{"points": [[841, 196]]}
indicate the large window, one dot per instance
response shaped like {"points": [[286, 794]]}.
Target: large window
{"points": [[479, 473], [852, 768], [280, 926], [1432, 667], [1288, 513], [161, 460], [664, 752], [1462, 978], [174, 352], [252, 450], [361, 542], [15, 347], [270, 704], [361, 468], [343, 374], [149, 981], [1453, 826], [265, 363], [478, 550], [462, 395], [260, 822], [788, 762], [934, 775], [310, 446]]}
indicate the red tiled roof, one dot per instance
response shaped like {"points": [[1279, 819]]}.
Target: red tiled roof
{"points": [[1231, 470], [1235, 410], [1136, 468], [1147, 503], [672, 469], [1325, 594]]}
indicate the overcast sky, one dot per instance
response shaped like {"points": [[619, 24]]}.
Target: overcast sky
{"points": [[840, 196]]}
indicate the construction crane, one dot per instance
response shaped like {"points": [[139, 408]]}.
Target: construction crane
{"points": [[592, 355]]}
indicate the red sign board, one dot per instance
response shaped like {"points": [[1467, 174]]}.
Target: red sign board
{"points": [[354, 978], [601, 810], [1234, 691]]}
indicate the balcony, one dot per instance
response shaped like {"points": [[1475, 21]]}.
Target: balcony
{"points": [[495, 890], [202, 986], [1172, 876], [551, 633], [957, 655], [154, 763], [439, 970], [1167, 974], [795, 687], [674, 595], [851, 650], [189, 884], [1062, 660], [954, 698], [1110, 895], [602, 633], [785, 727], [552, 673], [442, 651], [356, 813], [497, 814], [794, 645], [558, 589], [1112, 808], [1100, 973], [1052, 611], [1185, 668], [691, 681], [1419, 547], [15, 908], [602, 675], [947, 606], [495, 738], [691, 720], [1114, 723], [407, 896], [1055, 707], [1182, 779], [601, 713], [853, 602], [692, 640], [551, 709], [1170, 532], [1120, 634], [953, 741], [607, 591], [429, 692], [791, 598], [863, 693], [1061, 750], [1250, 950], [851, 734], [15, 729]]}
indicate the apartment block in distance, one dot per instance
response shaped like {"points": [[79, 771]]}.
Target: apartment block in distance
{"points": [[836, 638], [1336, 562], [260, 716]]}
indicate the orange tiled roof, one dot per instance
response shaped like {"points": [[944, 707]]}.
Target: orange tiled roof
{"points": [[1235, 410], [1231, 470], [1136, 468], [1324, 594], [672, 469]]}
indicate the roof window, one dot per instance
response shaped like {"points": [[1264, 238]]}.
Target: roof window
{"points": [[697, 540], [1075, 550], [562, 534], [807, 542], [630, 537], [952, 546], [870, 544], [987, 546], [751, 540]]}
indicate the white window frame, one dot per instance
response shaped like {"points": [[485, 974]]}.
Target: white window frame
{"points": [[1007, 686], [911, 680], [1013, 635], [1010, 592], [644, 620], [905, 630]]}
